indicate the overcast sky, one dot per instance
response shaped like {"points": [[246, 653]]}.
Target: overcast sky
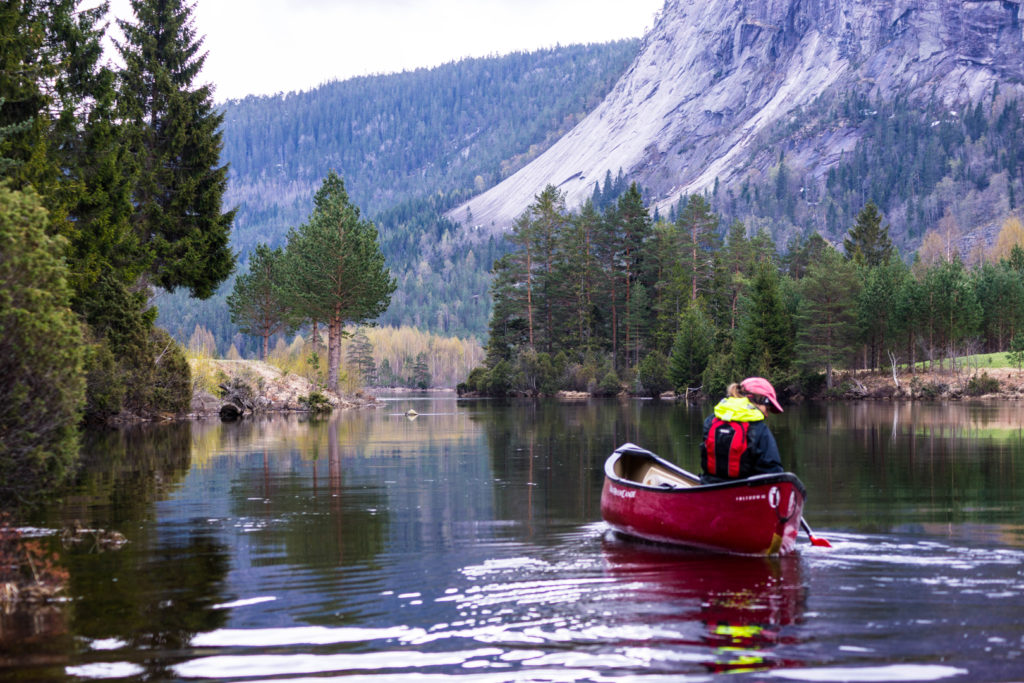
{"points": [[262, 47]]}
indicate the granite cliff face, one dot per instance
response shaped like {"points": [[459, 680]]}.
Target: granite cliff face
{"points": [[713, 76]]}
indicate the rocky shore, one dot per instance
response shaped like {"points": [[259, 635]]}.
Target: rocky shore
{"points": [[975, 383], [248, 387]]}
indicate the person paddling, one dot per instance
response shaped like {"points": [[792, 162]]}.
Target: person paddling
{"points": [[737, 442]]}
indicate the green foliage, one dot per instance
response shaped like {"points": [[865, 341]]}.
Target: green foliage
{"points": [[721, 371], [827, 333], [360, 357], [333, 270], [171, 383], [610, 385], [499, 379], [653, 374], [315, 402], [42, 382], [868, 242], [979, 385], [693, 346], [104, 382], [175, 139], [1016, 354], [255, 302], [765, 341]]}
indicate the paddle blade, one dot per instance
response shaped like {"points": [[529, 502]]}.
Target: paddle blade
{"points": [[815, 540], [820, 542]]}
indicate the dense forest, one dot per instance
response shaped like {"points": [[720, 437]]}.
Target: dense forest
{"points": [[409, 146], [915, 158], [603, 301]]}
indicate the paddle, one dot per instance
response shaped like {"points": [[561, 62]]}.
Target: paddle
{"points": [[815, 540]]}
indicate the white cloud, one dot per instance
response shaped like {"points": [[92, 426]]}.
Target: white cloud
{"points": [[270, 46]]}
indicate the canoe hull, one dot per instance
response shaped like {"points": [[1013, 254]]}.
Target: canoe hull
{"points": [[755, 516]]}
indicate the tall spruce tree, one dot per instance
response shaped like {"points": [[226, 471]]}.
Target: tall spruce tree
{"points": [[175, 137]]}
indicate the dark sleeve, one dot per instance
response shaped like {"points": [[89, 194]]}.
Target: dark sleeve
{"points": [[763, 443], [703, 445]]}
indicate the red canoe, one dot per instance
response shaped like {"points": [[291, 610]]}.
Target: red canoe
{"points": [[650, 498]]}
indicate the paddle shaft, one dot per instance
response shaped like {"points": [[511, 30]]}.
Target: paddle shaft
{"points": [[815, 540]]}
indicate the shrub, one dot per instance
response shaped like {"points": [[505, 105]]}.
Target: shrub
{"points": [[610, 385], [316, 402], [979, 385], [42, 381], [653, 374], [172, 377]]}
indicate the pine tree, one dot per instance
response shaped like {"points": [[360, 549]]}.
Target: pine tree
{"points": [[333, 269], [698, 227], [692, 348], [764, 342], [360, 356], [256, 303], [826, 319], [627, 231], [175, 138], [868, 242]]}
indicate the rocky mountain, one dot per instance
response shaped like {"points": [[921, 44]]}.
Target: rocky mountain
{"points": [[721, 89]]}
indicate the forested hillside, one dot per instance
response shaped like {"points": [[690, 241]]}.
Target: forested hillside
{"points": [[920, 162], [409, 146]]}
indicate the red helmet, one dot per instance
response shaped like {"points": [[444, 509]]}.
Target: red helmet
{"points": [[761, 387]]}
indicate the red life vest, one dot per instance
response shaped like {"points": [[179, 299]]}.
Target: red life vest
{"points": [[724, 448]]}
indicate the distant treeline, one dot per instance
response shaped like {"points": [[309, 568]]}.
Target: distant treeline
{"points": [[602, 301]]}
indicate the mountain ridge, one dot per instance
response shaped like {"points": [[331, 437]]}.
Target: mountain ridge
{"points": [[712, 77]]}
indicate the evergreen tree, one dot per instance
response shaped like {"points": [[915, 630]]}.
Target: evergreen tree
{"points": [[693, 346], [333, 269], [256, 303], [876, 308], [826, 319], [736, 266], [698, 227], [653, 375], [41, 352], [868, 242], [1000, 292], [175, 139], [954, 313], [421, 378], [360, 356], [579, 272], [627, 231], [548, 225], [765, 340]]}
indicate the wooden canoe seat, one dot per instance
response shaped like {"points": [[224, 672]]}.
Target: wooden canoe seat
{"points": [[653, 475]]}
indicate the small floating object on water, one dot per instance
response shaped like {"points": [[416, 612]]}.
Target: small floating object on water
{"points": [[411, 414], [98, 540]]}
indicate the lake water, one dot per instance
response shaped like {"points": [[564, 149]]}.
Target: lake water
{"points": [[466, 544]]}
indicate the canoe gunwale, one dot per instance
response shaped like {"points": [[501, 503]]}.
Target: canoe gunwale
{"points": [[754, 481]]}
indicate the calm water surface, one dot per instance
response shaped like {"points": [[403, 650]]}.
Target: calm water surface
{"points": [[466, 544]]}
